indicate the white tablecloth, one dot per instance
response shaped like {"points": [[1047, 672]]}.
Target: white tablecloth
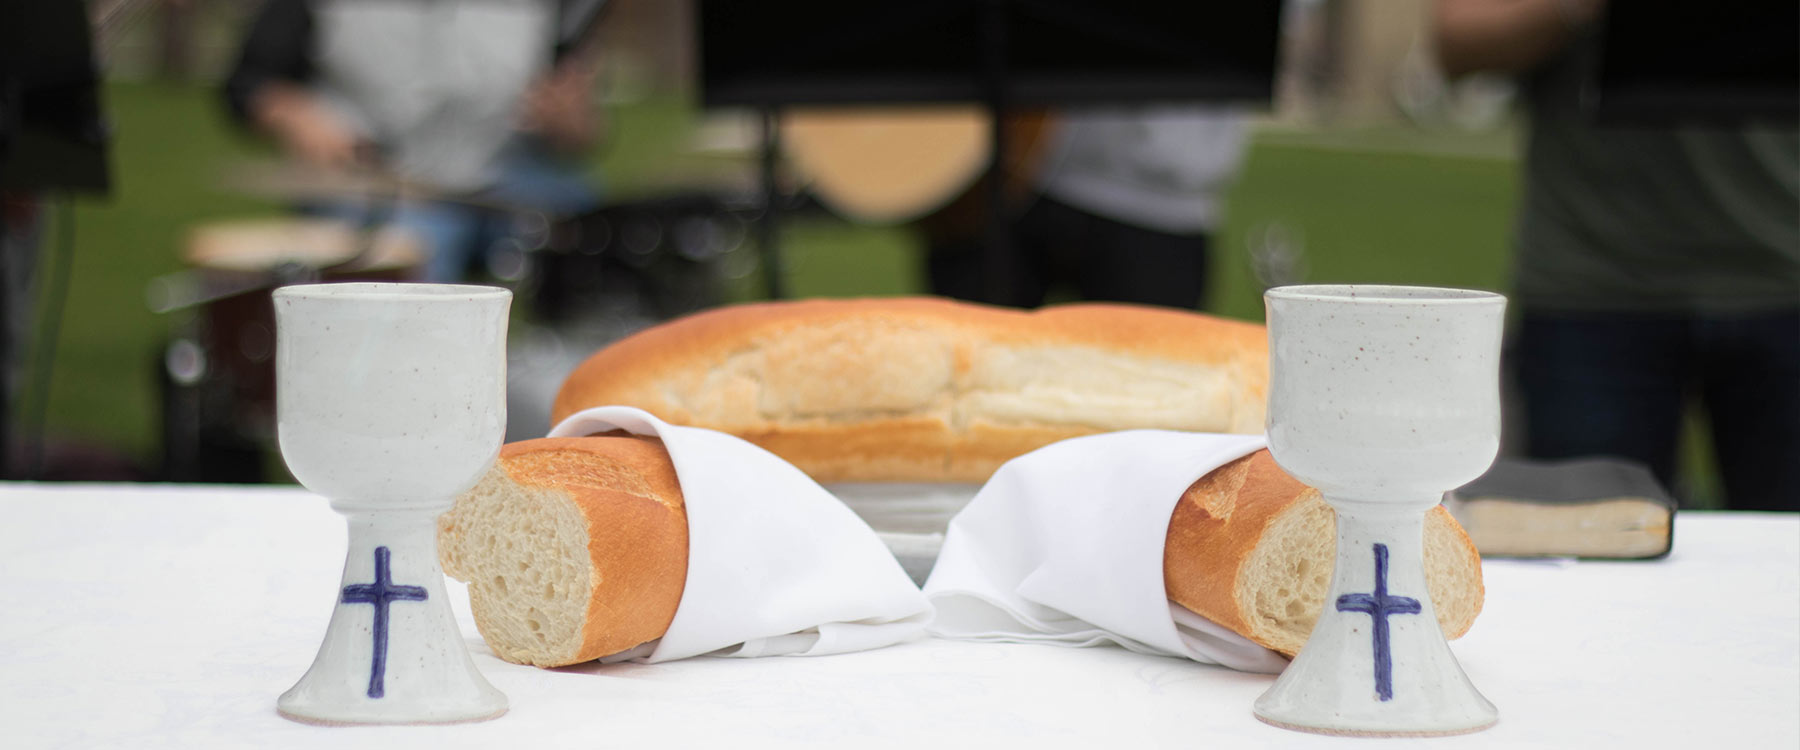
{"points": [[152, 617]]}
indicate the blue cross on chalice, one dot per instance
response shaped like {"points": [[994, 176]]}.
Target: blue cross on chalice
{"points": [[380, 593], [1379, 606]]}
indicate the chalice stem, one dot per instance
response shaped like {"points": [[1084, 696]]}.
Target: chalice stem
{"points": [[1380, 573], [1377, 661], [392, 608], [375, 536]]}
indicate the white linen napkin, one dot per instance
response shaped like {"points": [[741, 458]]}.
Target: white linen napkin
{"points": [[776, 565], [1064, 545]]}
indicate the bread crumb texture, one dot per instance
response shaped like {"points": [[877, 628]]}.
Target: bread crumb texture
{"points": [[1288, 576], [523, 552], [573, 548]]}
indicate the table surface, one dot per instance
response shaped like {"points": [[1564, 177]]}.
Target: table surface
{"points": [[149, 616]]}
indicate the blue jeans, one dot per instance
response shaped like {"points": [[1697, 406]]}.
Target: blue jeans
{"points": [[456, 235], [1617, 384], [1103, 259]]}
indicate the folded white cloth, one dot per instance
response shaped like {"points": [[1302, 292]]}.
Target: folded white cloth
{"points": [[776, 565], [1064, 545]]}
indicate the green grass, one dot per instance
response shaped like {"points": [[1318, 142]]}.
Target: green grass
{"points": [[170, 145], [1360, 210], [1367, 217]]}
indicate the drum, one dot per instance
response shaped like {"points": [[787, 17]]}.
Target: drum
{"points": [[647, 258], [218, 369]]}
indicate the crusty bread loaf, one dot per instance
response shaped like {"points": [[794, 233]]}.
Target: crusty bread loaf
{"points": [[1252, 549], [922, 389], [573, 548], [576, 549]]}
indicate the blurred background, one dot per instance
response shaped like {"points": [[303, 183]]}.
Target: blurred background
{"points": [[1367, 167]]}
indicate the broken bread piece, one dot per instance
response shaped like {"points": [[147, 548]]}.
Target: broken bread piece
{"points": [[1252, 548], [573, 548]]}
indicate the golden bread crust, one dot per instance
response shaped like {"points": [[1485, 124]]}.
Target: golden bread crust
{"points": [[1251, 548], [927, 389], [1215, 526], [626, 489]]}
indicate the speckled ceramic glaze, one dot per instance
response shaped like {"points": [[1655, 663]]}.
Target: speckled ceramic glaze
{"points": [[391, 400], [1383, 397]]}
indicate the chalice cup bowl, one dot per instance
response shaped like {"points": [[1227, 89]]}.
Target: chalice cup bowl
{"points": [[1383, 398], [390, 401]]}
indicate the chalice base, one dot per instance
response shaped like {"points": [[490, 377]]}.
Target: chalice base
{"points": [[1377, 663], [393, 653]]}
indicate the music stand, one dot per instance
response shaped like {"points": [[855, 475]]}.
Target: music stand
{"points": [[52, 136], [1728, 62], [999, 54]]}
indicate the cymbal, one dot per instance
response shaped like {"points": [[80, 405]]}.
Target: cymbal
{"points": [[229, 258], [887, 165], [884, 165], [259, 245], [293, 181]]}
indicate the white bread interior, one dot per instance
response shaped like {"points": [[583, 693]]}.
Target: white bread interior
{"points": [[573, 548], [527, 548]]}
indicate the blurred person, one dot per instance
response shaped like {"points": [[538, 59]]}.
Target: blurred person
{"points": [[486, 102], [54, 142], [1653, 264], [21, 228], [1122, 210]]}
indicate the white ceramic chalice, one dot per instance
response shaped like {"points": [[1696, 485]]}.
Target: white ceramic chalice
{"points": [[1382, 397], [391, 400]]}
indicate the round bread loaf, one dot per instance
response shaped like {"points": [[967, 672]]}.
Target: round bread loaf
{"points": [[1253, 549], [573, 548], [925, 389]]}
